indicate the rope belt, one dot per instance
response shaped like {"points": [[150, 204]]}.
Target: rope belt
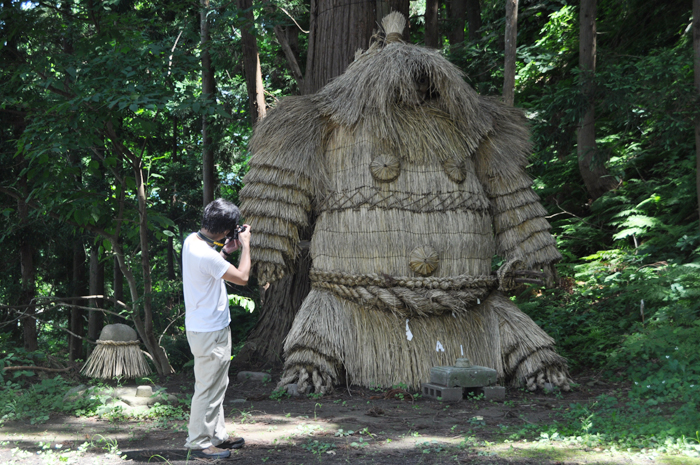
{"points": [[407, 295], [119, 343]]}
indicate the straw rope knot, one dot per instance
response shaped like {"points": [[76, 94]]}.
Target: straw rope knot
{"points": [[394, 37], [407, 296], [506, 274]]}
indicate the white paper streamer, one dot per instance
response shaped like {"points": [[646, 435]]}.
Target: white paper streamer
{"points": [[439, 347], [409, 334]]}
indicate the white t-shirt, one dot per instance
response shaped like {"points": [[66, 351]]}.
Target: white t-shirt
{"points": [[206, 300]]}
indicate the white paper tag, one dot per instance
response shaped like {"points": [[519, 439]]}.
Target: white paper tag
{"points": [[409, 334], [439, 347]]}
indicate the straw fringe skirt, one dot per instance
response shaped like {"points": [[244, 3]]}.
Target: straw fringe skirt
{"points": [[332, 337]]}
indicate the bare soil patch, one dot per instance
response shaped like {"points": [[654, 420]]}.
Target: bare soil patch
{"points": [[352, 425]]}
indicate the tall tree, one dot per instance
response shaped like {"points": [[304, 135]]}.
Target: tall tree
{"points": [[457, 11], [432, 31], [208, 92], [696, 75], [97, 287], [591, 166], [511, 46], [251, 63], [473, 18], [78, 288], [337, 29], [27, 264]]}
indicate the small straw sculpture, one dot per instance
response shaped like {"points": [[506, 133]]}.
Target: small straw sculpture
{"points": [[415, 182], [117, 355]]}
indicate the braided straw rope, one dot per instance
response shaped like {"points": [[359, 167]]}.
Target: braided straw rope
{"points": [[407, 296], [119, 343]]}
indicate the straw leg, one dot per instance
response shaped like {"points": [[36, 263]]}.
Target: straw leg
{"points": [[316, 343], [528, 354]]}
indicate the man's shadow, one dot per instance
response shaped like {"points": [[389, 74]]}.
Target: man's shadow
{"points": [[158, 455]]}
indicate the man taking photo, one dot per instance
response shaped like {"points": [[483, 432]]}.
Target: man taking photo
{"points": [[207, 320]]}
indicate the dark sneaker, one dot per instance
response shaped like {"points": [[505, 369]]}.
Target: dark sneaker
{"points": [[232, 443]]}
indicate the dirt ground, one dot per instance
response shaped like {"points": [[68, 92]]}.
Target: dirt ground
{"points": [[355, 426]]}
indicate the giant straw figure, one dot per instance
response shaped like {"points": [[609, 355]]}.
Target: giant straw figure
{"points": [[415, 182]]}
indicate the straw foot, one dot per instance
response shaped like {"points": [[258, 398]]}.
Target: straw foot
{"points": [[308, 379], [556, 374]]}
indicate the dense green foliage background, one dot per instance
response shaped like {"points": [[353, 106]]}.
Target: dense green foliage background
{"points": [[629, 305]]}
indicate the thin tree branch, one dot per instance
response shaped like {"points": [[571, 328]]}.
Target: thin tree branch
{"points": [[172, 52], [289, 55], [295, 21]]}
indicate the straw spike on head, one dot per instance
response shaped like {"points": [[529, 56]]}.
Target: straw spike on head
{"points": [[394, 24]]}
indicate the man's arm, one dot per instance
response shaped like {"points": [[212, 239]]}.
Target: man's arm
{"points": [[240, 275]]}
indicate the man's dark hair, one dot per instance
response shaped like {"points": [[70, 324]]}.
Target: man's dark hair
{"points": [[219, 216]]}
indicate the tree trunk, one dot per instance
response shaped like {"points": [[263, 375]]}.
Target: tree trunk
{"points": [[118, 283], [696, 70], [208, 91], [145, 326], [169, 252], [26, 252], [511, 41], [591, 166], [473, 18], [432, 34], [280, 304], [457, 19], [251, 63], [77, 324], [337, 29], [347, 25], [97, 287]]}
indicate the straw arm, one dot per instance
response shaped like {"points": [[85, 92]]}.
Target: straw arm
{"points": [[520, 227], [283, 180]]}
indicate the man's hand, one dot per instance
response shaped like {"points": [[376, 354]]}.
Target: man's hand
{"points": [[231, 245], [244, 236]]}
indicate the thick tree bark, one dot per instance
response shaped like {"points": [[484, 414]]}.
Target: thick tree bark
{"points": [[473, 18], [696, 70], [458, 9], [77, 323], [511, 42], [97, 287], [337, 29], [208, 92], [346, 25], [280, 304], [251, 63], [591, 166], [432, 33], [28, 271]]}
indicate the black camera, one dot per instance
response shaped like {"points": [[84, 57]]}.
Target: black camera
{"points": [[233, 235]]}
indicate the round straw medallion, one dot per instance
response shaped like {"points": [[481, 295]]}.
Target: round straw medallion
{"points": [[385, 168], [423, 260], [455, 170]]}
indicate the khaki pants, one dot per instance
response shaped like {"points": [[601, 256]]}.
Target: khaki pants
{"points": [[212, 357]]}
